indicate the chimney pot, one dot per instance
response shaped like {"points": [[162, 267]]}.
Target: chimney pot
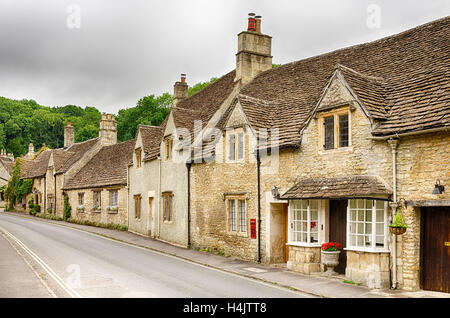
{"points": [[68, 123], [251, 22], [258, 23], [183, 78]]}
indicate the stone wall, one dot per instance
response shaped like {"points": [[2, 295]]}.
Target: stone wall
{"points": [[370, 269], [305, 260], [103, 216]]}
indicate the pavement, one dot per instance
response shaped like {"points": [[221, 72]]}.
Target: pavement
{"points": [[277, 275], [18, 278]]}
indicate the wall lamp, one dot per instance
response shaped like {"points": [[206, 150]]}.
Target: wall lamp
{"points": [[438, 188], [275, 192]]}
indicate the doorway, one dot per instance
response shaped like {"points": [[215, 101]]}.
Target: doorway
{"points": [[338, 230], [150, 216], [279, 250], [435, 249]]}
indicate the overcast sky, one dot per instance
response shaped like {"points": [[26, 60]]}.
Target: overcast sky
{"points": [[109, 54]]}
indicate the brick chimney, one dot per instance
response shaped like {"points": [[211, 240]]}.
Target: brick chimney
{"points": [[69, 135], [108, 130], [180, 90], [254, 51]]}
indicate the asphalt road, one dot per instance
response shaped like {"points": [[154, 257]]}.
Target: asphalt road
{"points": [[74, 263]]}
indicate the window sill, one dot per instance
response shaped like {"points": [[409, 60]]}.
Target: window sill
{"points": [[96, 211], [336, 150], [299, 244], [113, 212], [367, 250], [168, 222], [241, 234]]}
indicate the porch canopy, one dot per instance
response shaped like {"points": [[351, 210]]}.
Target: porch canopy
{"points": [[339, 188]]}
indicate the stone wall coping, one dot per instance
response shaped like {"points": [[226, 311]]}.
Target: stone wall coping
{"points": [[303, 244], [367, 250]]}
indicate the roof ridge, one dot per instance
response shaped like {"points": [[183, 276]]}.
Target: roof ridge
{"points": [[217, 80], [346, 68]]}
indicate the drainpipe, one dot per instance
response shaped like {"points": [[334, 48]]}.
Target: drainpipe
{"points": [[159, 200], [394, 144], [258, 171], [188, 166]]}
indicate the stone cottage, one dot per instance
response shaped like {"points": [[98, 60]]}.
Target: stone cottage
{"points": [[6, 168], [98, 191], [144, 182], [327, 149], [52, 168]]}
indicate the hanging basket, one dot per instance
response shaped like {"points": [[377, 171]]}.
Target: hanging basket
{"points": [[397, 230]]}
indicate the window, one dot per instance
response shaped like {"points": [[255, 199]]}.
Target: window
{"points": [[367, 224], [232, 218], [167, 206], [336, 131], [168, 143], [137, 206], [242, 217], [80, 198], [237, 215], [329, 132], [304, 221], [236, 147], [97, 200], [343, 130], [113, 197], [138, 157]]}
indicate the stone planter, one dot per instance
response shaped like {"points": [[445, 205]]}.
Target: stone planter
{"points": [[331, 260]]}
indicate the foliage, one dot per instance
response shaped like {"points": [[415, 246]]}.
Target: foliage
{"points": [[149, 110], [331, 246], [111, 226], [24, 121], [17, 187], [398, 221], [31, 203], [67, 208], [275, 65], [199, 86], [49, 216]]}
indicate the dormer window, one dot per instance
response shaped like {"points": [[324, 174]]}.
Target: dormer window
{"points": [[336, 132]]}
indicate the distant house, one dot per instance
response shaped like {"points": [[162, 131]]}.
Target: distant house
{"points": [[98, 191], [6, 168]]}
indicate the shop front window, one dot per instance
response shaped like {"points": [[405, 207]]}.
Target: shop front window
{"points": [[304, 220], [367, 224]]}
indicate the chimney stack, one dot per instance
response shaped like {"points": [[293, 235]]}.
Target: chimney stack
{"points": [[30, 153], [108, 130], [254, 51], [69, 135], [180, 90]]}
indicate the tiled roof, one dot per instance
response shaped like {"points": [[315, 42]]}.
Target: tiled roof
{"points": [[8, 163], [107, 168], [204, 104], [36, 167], [151, 137], [402, 80], [64, 158], [338, 188]]}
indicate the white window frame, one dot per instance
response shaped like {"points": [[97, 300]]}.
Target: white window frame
{"points": [[238, 145], [308, 227], [373, 247]]}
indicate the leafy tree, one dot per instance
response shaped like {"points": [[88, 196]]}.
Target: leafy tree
{"points": [[199, 86], [67, 208]]}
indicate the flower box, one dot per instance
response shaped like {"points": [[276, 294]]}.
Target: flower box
{"points": [[112, 208], [80, 208]]}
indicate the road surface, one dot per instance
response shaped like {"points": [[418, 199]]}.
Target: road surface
{"points": [[71, 263]]}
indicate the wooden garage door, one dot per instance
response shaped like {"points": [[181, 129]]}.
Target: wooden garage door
{"points": [[435, 248]]}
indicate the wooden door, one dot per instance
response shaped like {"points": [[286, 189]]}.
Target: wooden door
{"points": [[338, 230], [435, 249], [286, 224]]}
